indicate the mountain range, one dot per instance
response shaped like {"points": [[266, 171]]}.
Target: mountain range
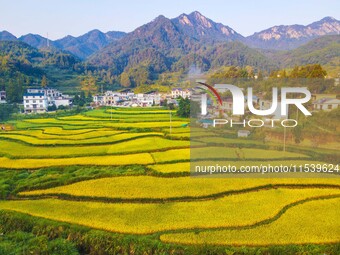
{"points": [[174, 45], [290, 37], [188, 28], [81, 46]]}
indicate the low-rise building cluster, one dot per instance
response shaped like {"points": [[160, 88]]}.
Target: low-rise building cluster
{"points": [[37, 100], [130, 99], [179, 92]]}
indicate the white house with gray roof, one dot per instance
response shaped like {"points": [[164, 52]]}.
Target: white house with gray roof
{"points": [[326, 104], [35, 102]]}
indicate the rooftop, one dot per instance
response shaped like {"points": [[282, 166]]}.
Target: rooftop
{"points": [[327, 101], [33, 94]]}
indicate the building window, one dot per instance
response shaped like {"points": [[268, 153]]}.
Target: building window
{"points": [[329, 107]]}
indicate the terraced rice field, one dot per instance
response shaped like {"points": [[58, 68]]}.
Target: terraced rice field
{"points": [[137, 218], [129, 187], [162, 199], [142, 158], [15, 149], [319, 228]]}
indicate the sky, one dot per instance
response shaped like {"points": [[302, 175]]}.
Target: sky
{"points": [[59, 18]]}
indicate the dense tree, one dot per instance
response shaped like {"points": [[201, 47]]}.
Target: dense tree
{"points": [[125, 80], [260, 75], [6, 111], [14, 90], [51, 108], [297, 133], [80, 100], [44, 81], [140, 76], [308, 71], [183, 108], [89, 84]]}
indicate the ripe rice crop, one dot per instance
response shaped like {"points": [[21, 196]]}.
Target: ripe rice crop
{"points": [[142, 158], [57, 131], [144, 144], [185, 166], [184, 135], [199, 209], [87, 124], [244, 153], [171, 155], [160, 187], [223, 152], [146, 124], [149, 218], [179, 130], [78, 117], [139, 111], [96, 140], [28, 125], [172, 168], [312, 222], [121, 114], [43, 136]]}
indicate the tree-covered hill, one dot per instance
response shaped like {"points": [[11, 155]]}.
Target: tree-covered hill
{"points": [[168, 45], [324, 50], [22, 65]]}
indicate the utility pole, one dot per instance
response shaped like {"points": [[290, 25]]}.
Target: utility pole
{"points": [[111, 109], [170, 122], [284, 139]]}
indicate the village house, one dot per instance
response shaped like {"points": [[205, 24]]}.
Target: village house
{"points": [[178, 92], [61, 101], [243, 133], [49, 93], [35, 102], [149, 98], [98, 100], [127, 98], [322, 96], [144, 101], [110, 98], [39, 99], [326, 104]]}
